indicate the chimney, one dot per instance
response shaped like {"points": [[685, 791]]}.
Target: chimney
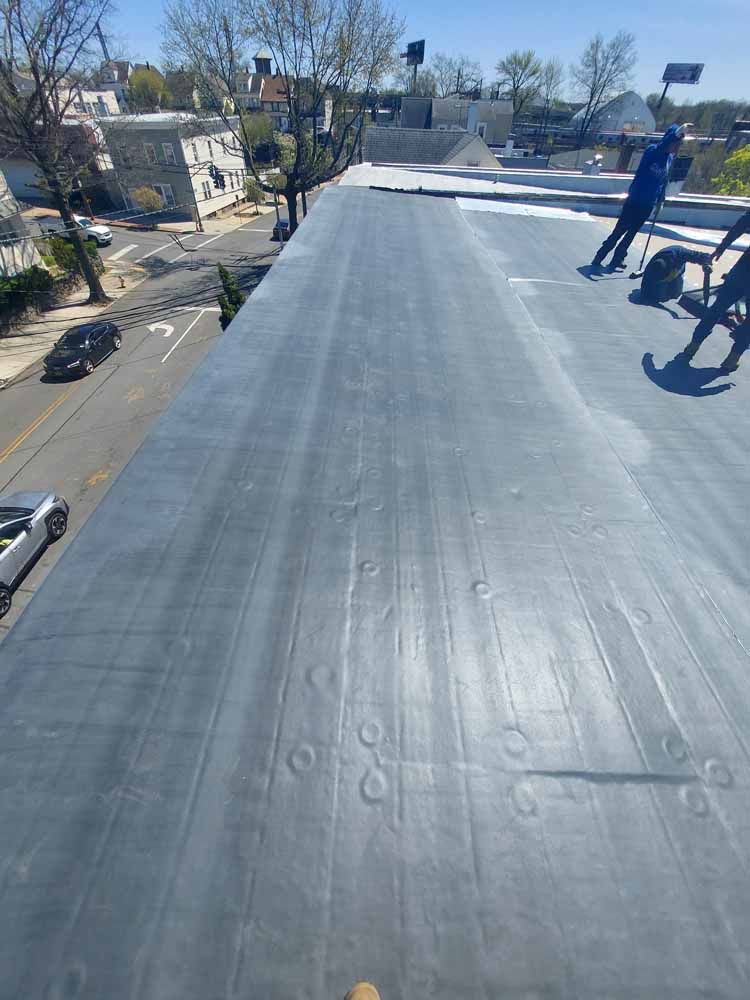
{"points": [[262, 63]]}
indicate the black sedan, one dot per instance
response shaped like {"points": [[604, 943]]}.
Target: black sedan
{"points": [[81, 348]]}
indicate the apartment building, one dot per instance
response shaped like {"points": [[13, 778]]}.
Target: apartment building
{"points": [[175, 153]]}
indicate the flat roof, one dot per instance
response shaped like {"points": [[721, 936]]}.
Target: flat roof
{"points": [[412, 645]]}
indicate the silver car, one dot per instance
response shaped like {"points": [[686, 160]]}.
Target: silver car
{"points": [[29, 522]]}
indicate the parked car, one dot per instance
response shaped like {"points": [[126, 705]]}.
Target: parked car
{"points": [[29, 522], [81, 348], [281, 230], [89, 230]]}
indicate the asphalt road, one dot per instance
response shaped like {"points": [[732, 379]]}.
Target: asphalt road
{"points": [[75, 437]]}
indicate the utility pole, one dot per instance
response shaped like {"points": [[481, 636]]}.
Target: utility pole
{"points": [[79, 187], [102, 42], [663, 94], [196, 211], [414, 56]]}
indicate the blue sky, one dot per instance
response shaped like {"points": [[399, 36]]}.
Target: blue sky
{"points": [[690, 31]]}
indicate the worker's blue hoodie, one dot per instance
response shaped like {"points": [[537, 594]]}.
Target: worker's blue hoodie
{"points": [[650, 178]]}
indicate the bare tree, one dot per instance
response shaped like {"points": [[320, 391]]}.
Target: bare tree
{"points": [[550, 86], [519, 76], [46, 56], [605, 68], [455, 75], [331, 54], [427, 85]]}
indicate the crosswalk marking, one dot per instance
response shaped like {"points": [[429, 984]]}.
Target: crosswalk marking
{"points": [[121, 253]]}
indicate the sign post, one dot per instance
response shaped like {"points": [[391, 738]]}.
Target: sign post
{"points": [[679, 73], [414, 56]]}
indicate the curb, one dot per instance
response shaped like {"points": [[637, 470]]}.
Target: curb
{"points": [[31, 369]]}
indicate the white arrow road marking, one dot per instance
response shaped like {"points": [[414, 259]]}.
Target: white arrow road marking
{"points": [[190, 327], [153, 327], [121, 253]]}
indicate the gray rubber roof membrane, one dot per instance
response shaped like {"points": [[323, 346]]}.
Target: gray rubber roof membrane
{"points": [[410, 646]]}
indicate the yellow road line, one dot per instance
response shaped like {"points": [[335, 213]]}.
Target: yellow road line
{"points": [[17, 442]]}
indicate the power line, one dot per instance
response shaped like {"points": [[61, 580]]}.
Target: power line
{"points": [[64, 231]]}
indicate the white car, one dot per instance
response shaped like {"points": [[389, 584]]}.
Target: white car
{"points": [[90, 230], [29, 522], [102, 234]]}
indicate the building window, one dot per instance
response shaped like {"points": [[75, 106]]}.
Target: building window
{"points": [[150, 152], [210, 150], [168, 150], [124, 155], [195, 152], [206, 190], [167, 194]]}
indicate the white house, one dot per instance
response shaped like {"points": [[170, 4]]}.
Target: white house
{"points": [[627, 112], [176, 154], [17, 252]]}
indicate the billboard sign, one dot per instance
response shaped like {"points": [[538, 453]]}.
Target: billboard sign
{"points": [[682, 73], [415, 53]]}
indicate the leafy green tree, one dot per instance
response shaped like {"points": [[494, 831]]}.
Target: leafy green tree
{"points": [[734, 178], [148, 199], [305, 157], [253, 192], [257, 129], [147, 90], [708, 161], [44, 44], [519, 77], [714, 117], [66, 257], [231, 299]]}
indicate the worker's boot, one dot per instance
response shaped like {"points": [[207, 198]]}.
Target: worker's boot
{"points": [[731, 362], [363, 991]]}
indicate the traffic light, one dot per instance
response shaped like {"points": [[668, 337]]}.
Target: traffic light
{"points": [[217, 177]]}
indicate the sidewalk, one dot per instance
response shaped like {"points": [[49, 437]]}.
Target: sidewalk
{"points": [[221, 225], [228, 222], [27, 346]]}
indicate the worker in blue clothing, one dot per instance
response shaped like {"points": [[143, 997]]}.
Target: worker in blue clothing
{"points": [[647, 190]]}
